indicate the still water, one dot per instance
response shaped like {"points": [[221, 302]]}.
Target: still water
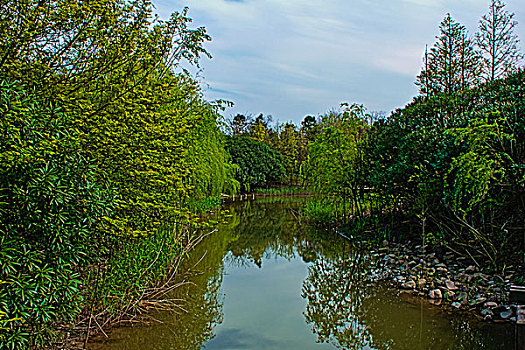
{"points": [[264, 281]]}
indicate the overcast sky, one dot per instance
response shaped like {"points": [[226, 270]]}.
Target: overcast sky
{"points": [[291, 58]]}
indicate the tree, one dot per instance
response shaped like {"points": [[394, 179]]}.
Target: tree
{"points": [[452, 64], [259, 130], [309, 127], [334, 165], [259, 164], [239, 125], [497, 42], [289, 146]]}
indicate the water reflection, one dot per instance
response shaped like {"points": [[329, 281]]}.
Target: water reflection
{"points": [[350, 311], [264, 281], [335, 289]]}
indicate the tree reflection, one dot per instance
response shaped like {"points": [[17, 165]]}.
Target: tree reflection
{"points": [[350, 311], [335, 289], [272, 229]]}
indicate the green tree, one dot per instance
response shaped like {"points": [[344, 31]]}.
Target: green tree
{"points": [[452, 64], [335, 156], [260, 166], [289, 146]]}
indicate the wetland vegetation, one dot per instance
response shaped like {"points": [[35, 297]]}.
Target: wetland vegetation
{"points": [[113, 166]]}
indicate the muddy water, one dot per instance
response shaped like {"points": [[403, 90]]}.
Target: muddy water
{"points": [[264, 281]]}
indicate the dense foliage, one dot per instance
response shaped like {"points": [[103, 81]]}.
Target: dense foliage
{"points": [[51, 209], [259, 165], [451, 164], [107, 146]]}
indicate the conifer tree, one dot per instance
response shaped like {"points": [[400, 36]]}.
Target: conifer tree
{"points": [[452, 64], [497, 42]]}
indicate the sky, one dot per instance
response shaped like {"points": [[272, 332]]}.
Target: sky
{"points": [[292, 58]]}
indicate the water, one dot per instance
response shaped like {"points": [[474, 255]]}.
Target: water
{"points": [[264, 281]]}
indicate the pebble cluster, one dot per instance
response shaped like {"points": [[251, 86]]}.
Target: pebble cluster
{"points": [[447, 280]]}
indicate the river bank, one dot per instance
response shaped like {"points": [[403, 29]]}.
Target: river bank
{"points": [[446, 279], [266, 280]]}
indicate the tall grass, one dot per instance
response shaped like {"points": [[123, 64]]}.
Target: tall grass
{"points": [[137, 275]]}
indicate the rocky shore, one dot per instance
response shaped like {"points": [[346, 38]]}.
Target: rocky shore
{"points": [[447, 279]]}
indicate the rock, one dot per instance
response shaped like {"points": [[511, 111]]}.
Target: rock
{"points": [[400, 279], [462, 277], [470, 269], [450, 295], [441, 265], [435, 294], [409, 285], [505, 314], [462, 296], [442, 269], [456, 305], [486, 312], [435, 301], [490, 305], [478, 301], [422, 282], [412, 263], [385, 243], [450, 285]]}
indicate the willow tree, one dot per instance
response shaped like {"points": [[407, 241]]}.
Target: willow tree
{"points": [[335, 157], [497, 41]]}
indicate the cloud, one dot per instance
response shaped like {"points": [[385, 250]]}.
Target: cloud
{"points": [[296, 57]]}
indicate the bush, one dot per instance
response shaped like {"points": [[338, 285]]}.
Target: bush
{"points": [[50, 209]]}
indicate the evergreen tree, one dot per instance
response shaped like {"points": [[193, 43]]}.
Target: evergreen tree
{"points": [[497, 42], [452, 64]]}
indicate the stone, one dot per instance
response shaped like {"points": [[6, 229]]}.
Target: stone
{"points": [[456, 305], [441, 265], [505, 315], [435, 301], [470, 269], [462, 296], [450, 285], [479, 301], [486, 312], [490, 305], [435, 294], [422, 282], [412, 263], [462, 277], [400, 279], [450, 295], [409, 285]]}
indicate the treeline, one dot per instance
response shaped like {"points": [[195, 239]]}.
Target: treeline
{"points": [[451, 162], [106, 148], [268, 155]]}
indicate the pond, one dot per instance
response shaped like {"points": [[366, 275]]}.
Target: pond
{"points": [[266, 281]]}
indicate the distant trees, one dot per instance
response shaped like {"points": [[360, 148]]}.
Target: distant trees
{"points": [[259, 165], [335, 157], [497, 42]]}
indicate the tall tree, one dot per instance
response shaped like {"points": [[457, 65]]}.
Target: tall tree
{"points": [[497, 41], [452, 63]]}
